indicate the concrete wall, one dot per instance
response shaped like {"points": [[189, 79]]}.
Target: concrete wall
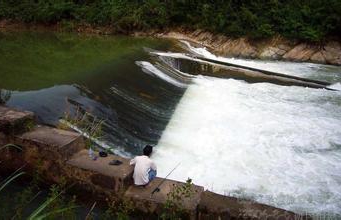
{"points": [[60, 155]]}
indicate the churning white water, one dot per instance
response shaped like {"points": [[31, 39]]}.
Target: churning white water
{"points": [[278, 145]]}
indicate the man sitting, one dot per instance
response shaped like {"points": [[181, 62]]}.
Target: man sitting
{"points": [[145, 168]]}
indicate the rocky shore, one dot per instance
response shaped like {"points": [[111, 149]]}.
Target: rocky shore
{"points": [[277, 48]]}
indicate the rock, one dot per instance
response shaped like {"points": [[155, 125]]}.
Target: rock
{"points": [[196, 33], [284, 47], [332, 53], [301, 52], [318, 58], [280, 52], [272, 53], [240, 47], [13, 121], [205, 37]]}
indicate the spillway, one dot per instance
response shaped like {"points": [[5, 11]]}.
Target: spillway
{"points": [[279, 145]]}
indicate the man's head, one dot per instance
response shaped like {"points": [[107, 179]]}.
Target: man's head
{"points": [[147, 150]]}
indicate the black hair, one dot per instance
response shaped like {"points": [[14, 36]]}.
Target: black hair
{"points": [[147, 150]]}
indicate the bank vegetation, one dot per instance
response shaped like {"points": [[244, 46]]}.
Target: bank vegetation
{"points": [[308, 20]]}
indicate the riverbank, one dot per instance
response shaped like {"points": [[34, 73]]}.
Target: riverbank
{"points": [[276, 48]]}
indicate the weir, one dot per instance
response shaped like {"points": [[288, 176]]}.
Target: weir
{"points": [[225, 69], [60, 155], [318, 83], [204, 55], [257, 141]]}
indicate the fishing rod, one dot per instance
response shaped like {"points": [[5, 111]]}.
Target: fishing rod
{"points": [[157, 189]]}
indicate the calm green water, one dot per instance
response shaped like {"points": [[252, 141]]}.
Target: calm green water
{"points": [[50, 73], [31, 61]]}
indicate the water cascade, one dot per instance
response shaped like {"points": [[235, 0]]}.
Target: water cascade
{"points": [[279, 145]]}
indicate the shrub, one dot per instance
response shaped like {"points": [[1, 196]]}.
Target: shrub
{"points": [[311, 20]]}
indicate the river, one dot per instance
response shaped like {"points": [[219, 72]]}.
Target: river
{"points": [[233, 133]]}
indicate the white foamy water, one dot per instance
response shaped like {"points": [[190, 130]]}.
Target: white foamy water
{"points": [[327, 73], [153, 71], [278, 145], [336, 86]]}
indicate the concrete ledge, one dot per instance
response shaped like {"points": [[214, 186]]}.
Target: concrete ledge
{"points": [[60, 155], [215, 206], [66, 143], [144, 200], [102, 174], [13, 121]]}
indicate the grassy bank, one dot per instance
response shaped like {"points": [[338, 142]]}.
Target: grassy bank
{"points": [[309, 20]]}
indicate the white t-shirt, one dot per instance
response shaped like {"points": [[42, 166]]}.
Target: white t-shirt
{"points": [[142, 166]]}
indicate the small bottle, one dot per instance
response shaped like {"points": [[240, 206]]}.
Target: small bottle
{"points": [[92, 154]]}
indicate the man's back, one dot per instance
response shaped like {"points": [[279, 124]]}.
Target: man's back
{"points": [[143, 164]]}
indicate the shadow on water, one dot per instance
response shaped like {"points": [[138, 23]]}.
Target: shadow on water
{"points": [[48, 73]]}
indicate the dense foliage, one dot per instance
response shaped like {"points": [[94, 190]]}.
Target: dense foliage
{"points": [[311, 20]]}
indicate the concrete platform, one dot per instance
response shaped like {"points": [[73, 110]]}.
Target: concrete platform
{"points": [[13, 121], [59, 156], [151, 203], [215, 206], [66, 143], [116, 178]]}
